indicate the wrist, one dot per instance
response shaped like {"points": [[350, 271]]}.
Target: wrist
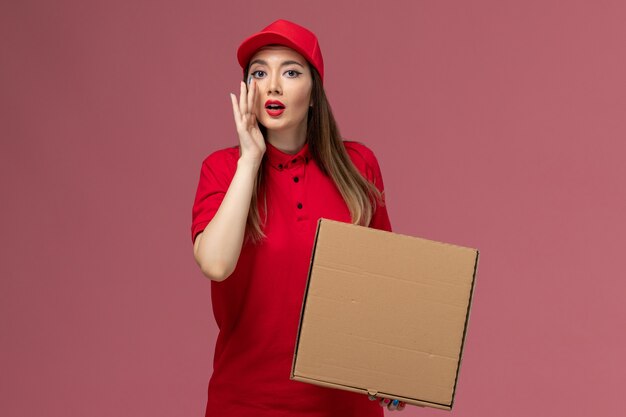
{"points": [[248, 162]]}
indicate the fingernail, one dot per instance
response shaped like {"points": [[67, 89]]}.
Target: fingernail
{"points": [[395, 402], [386, 401], [249, 79], [401, 405]]}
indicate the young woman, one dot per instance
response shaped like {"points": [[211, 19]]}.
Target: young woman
{"points": [[254, 219]]}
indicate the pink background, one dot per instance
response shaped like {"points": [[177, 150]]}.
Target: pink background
{"points": [[498, 125]]}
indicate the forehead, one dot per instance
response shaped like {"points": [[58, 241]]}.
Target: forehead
{"points": [[279, 53]]}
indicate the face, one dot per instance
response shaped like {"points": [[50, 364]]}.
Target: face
{"points": [[281, 74]]}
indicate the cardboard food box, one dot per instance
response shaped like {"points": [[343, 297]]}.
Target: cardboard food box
{"points": [[385, 314]]}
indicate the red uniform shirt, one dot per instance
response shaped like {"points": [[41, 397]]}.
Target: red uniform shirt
{"points": [[257, 308]]}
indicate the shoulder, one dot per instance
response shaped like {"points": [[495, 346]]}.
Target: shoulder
{"points": [[358, 150], [362, 157], [224, 156], [222, 161], [220, 165]]}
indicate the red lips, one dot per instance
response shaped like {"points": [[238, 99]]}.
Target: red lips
{"points": [[275, 103], [274, 107]]}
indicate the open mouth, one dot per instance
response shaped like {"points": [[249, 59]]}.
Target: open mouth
{"points": [[274, 108]]}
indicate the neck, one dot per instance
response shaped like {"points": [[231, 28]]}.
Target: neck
{"points": [[289, 140]]}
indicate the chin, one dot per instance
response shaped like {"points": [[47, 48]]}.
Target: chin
{"points": [[274, 125]]}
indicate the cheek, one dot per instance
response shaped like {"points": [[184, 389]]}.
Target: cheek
{"points": [[305, 92], [302, 99]]}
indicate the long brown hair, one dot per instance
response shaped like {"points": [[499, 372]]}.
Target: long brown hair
{"points": [[329, 152]]}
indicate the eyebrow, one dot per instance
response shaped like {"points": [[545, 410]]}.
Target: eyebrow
{"points": [[263, 62]]}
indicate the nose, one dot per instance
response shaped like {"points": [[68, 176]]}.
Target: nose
{"points": [[274, 83]]}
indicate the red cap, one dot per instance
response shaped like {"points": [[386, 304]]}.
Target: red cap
{"points": [[284, 32]]}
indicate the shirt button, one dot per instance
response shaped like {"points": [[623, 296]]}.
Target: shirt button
{"points": [[296, 179], [299, 205]]}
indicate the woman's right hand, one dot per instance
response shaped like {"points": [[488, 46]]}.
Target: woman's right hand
{"points": [[250, 136]]}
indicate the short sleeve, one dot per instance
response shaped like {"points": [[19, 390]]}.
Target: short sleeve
{"points": [[216, 174], [366, 162]]}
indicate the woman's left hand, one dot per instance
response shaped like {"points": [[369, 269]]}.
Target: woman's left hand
{"points": [[392, 405]]}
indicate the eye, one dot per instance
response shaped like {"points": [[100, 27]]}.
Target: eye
{"points": [[293, 72], [255, 72]]}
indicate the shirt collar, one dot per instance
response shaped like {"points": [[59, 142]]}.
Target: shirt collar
{"points": [[282, 160]]}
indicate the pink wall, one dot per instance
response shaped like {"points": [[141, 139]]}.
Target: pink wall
{"points": [[498, 125]]}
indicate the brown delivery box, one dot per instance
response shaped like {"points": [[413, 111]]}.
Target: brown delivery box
{"points": [[385, 314]]}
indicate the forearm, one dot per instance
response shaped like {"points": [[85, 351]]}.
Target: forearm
{"points": [[218, 247]]}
